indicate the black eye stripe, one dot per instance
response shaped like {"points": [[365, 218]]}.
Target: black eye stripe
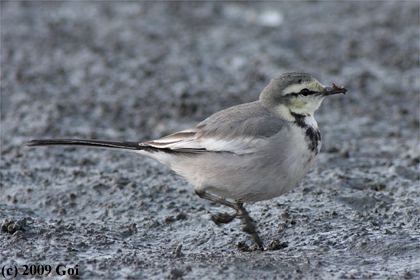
{"points": [[304, 92]]}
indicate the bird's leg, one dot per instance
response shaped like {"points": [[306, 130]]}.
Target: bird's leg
{"points": [[219, 218], [248, 225]]}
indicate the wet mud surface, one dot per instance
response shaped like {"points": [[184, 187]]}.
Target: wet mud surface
{"points": [[136, 71]]}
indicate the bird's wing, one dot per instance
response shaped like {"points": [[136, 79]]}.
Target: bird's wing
{"points": [[182, 141], [240, 130]]}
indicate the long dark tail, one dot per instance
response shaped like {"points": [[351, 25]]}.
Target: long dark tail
{"points": [[89, 143]]}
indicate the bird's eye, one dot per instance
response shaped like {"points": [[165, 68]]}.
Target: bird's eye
{"points": [[305, 91]]}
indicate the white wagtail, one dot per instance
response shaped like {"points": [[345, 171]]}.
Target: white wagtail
{"points": [[250, 152]]}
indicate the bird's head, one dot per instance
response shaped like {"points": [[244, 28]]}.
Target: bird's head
{"points": [[299, 93]]}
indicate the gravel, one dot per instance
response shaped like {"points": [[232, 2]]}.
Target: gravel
{"points": [[137, 71]]}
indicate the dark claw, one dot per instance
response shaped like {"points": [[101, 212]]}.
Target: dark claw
{"points": [[222, 218], [276, 245]]}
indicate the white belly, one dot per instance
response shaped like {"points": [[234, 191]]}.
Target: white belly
{"points": [[252, 177]]}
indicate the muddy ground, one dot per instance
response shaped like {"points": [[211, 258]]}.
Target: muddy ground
{"points": [[137, 71]]}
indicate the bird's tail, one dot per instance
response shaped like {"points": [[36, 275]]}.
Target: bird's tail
{"points": [[119, 145]]}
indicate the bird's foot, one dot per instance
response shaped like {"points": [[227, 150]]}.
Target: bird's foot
{"points": [[248, 226], [222, 218]]}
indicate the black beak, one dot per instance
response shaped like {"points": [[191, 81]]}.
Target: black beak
{"points": [[334, 90]]}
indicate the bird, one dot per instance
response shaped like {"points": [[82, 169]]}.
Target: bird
{"points": [[246, 153]]}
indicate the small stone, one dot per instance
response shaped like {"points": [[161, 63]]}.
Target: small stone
{"points": [[175, 274], [169, 219], [181, 216], [177, 252]]}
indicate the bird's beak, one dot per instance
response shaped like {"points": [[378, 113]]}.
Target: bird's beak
{"points": [[334, 90]]}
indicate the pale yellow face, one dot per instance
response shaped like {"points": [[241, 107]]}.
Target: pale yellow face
{"points": [[295, 94], [301, 103]]}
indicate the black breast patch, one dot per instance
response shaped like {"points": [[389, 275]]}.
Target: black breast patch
{"points": [[312, 135]]}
